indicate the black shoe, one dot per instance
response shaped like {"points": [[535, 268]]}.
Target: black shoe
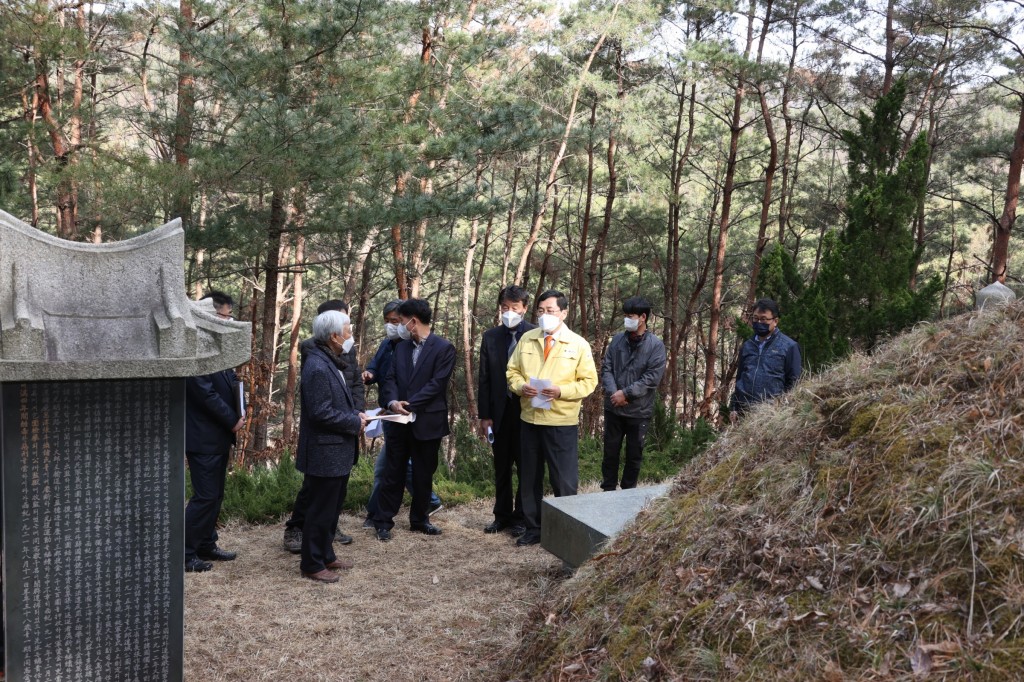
{"points": [[495, 527], [293, 540], [528, 539], [516, 530], [197, 565], [343, 539], [368, 523], [425, 528], [383, 534], [217, 554], [435, 507]]}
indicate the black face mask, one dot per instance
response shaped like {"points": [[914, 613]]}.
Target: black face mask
{"points": [[761, 328]]}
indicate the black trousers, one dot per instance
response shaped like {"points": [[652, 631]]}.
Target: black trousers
{"points": [[403, 446], [634, 430], [558, 446], [298, 518], [326, 497], [208, 473], [508, 505]]}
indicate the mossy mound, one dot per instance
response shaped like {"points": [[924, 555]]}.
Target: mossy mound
{"points": [[869, 525]]}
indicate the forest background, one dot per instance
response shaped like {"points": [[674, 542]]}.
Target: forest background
{"points": [[700, 154]]}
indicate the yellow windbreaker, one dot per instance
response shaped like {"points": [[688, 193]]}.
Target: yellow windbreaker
{"points": [[570, 366]]}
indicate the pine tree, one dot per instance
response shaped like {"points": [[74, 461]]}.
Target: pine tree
{"points": [[864, 292]]}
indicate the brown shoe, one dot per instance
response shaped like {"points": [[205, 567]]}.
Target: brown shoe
{"points": [[340, 565], [323, 576]]}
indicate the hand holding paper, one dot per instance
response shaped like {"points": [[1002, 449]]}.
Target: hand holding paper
{"points": [[540, 401]]}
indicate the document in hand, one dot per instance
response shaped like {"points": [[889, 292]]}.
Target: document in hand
{"points": [[539, 401], [375, 428]]}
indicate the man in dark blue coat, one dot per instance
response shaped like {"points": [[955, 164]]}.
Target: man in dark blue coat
{"points": [[769, 363], [417, 383], [499, 409], [212, 419]]}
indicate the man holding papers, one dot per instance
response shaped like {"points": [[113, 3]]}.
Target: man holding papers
{"points": [[416, 383], [552, 369]]}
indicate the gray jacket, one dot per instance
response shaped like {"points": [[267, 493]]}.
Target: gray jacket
{"points": [[636, 372]]}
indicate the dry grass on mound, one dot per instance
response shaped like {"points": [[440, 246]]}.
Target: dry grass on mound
{"points": [[870, 526], [417, 608]]}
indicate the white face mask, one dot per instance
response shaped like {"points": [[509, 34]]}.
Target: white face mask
{"points": [[391, 330], [404, 333], [347, 344], [549, 323], [511, 319], [631, 323]]}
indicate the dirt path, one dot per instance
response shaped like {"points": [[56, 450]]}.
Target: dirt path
{"points": [[417, 608]]}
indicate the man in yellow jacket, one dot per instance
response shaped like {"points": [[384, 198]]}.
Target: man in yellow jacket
{"points": [[552, 369]]}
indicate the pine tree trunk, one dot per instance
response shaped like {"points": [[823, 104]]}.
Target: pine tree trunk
{"points": [[1001, 244], [560, 154], [708, 408], [291, 383]]}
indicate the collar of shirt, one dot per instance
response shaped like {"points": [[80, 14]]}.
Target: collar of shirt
{"points": [[557, 334]]}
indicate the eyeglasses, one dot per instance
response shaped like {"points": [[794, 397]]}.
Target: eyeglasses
{"points": [[756, 318]]}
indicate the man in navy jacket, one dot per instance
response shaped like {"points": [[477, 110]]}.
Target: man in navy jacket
{"points": [[416, 382], [211, 421]]}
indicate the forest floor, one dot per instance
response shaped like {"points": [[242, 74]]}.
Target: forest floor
{"points": [[416, 608]]}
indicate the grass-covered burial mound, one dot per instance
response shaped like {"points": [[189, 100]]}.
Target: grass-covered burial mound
{"points": [[868, 526]]}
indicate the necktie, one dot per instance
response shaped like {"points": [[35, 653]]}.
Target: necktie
{"points": [[511, 345], [549, 343], [416, 347]]}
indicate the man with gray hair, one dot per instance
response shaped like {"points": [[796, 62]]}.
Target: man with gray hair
{"points": [[329, 429], [350, 370]]}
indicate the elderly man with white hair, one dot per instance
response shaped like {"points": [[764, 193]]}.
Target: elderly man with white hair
{"points": [[328, 429]]}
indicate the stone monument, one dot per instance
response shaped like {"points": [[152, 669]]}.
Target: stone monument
{"points": [[95, 342], [576, 526]]}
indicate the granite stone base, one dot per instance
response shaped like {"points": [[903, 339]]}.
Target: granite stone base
{"points": [[575, 527]]}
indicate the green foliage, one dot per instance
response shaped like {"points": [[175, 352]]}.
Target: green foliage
{"points": [[863, 292], [780, 279]]}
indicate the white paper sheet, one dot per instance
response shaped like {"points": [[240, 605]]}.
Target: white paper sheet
{"points": [[539, 401]]}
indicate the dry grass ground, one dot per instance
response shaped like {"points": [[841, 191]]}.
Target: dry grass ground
{"points": [[417, 608]]}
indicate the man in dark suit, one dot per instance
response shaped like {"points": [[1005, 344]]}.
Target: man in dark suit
{"points": [[353, 379], [499, 408], [212, 419], [416, 382]]}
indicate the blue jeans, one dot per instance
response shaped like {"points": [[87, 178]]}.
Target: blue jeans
{"points": [[378, 471]]}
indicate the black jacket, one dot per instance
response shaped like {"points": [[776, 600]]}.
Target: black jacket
{"points": [[353, 375], [492, 389], [329, 423], [425, 387], [210, 413]]}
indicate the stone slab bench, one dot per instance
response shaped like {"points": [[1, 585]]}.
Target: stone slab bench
{"points": [[575, 527]]}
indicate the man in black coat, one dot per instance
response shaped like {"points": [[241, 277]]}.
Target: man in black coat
{"points": [[353, 378], [328, 433], [212, 419], [499, 408], [416, 382]]}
